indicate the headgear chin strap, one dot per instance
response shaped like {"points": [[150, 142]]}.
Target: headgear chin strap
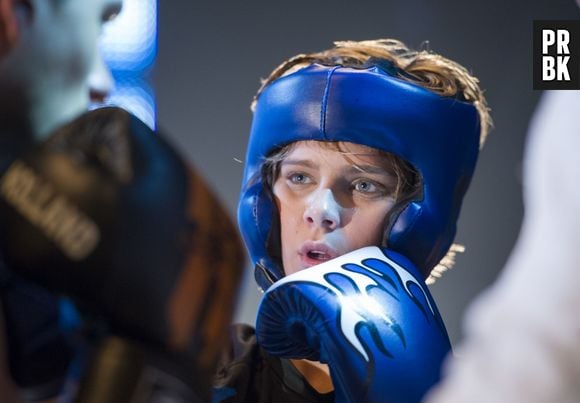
{"points": [[438, 136]]}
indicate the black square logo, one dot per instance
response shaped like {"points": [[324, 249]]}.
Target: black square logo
{"points": [[556, 55]]}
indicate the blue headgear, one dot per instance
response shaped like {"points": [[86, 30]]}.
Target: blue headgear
{"points": [[438, 136]]}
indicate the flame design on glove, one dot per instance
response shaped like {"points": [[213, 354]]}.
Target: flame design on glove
{"points": [[362, 269]]}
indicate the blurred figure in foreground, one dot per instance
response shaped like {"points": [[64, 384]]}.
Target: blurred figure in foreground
{"points": [[99, 208], [522, 334]]}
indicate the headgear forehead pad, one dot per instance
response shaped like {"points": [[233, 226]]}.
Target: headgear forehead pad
{"points": [[438, 136]]}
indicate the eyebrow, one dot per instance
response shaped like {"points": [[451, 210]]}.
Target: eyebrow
{"points": [[365, 168], [306, 163], [371, 169]]}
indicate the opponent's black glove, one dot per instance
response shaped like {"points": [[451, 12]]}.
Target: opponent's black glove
{"points": [[106, 212]]}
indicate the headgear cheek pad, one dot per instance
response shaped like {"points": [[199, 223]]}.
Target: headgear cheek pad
{"points": [[438, 136]]}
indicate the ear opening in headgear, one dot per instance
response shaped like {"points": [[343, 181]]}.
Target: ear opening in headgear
{"points": [[416, 195]]}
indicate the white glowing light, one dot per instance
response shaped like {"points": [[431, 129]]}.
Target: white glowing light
{"points": [[128, 45], [130, 40]]}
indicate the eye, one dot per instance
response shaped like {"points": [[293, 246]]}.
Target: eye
{"points": [[299, 178], [370, 188], [365, 186], [111, 12]]}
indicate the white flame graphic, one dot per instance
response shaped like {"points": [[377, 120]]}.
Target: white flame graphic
{"points": [[355, 308]]}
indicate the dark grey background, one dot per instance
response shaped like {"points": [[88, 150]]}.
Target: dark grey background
{"points": [[212, 53]]}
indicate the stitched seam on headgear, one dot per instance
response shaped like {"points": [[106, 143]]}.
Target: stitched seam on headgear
{"points": [[325, 101], [407, 229], [416, 217], [255, 213]]}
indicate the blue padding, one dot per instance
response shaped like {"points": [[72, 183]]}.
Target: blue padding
{"points": [[438, 135]]}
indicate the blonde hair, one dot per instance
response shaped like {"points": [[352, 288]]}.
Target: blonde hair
{"points": [[424, 68]]}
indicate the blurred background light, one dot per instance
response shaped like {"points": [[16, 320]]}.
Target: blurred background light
{"points": [[130, 41], [135, 95], [129, 48]]}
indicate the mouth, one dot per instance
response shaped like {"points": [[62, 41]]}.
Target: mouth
{"points": [[313, 253]]}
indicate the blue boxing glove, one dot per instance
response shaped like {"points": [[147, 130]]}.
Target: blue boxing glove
{"points": [[369, 315]]}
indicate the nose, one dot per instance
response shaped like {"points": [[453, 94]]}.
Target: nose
{"points": [[101, 82], [323, 210]]}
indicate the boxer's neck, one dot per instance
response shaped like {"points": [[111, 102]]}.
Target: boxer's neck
{"points": [[316, 374]]}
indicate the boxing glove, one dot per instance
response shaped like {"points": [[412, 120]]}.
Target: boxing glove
{"points": [[367, 314], [106, 212]]}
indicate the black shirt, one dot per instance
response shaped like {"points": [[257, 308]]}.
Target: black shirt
{"points": [[246, 373]]}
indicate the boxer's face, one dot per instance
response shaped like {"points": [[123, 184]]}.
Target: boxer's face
{"points": [[331, 201], [56, 53]]}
